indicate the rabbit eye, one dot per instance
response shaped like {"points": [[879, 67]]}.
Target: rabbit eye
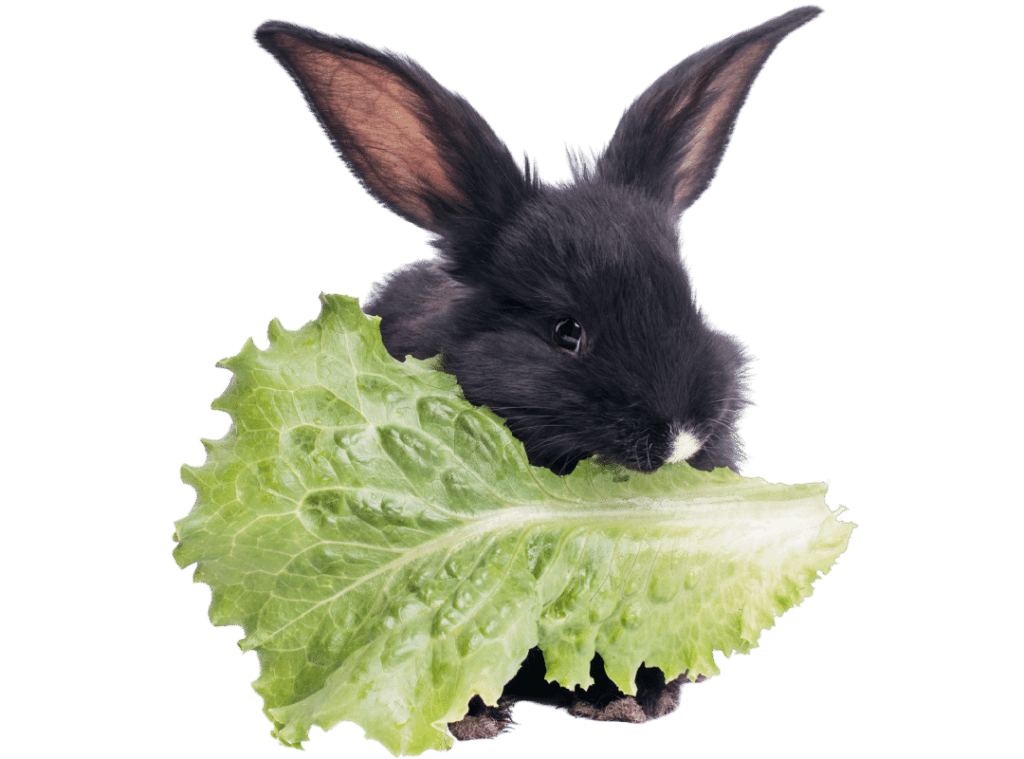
{"points": [[568, 335]]}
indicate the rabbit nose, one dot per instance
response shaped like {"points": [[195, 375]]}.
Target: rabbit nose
{"points": [[684, 446]]}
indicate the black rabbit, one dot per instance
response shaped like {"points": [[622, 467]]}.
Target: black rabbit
{"points": [[565, 309]]}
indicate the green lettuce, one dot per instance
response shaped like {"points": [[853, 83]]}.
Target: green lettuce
{"points": [[390, 553]]}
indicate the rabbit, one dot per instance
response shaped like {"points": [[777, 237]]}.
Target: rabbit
{"points": [[564, 309]]}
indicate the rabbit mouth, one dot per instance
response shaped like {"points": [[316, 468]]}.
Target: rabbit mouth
{"points": [[649, 453], [644, 457], [684, 445]]}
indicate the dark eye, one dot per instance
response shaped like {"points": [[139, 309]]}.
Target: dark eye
{"points": [[568, 335]]}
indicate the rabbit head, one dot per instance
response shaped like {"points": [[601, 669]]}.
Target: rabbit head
{"points": [[565, 309]]}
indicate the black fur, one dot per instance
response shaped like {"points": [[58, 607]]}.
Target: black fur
{"points": [[518, 257]]}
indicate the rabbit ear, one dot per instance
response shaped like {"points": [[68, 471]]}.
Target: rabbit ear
{"points": [[416, 147], [670, 141]]}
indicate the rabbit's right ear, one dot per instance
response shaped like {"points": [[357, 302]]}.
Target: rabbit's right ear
{"points": [[670, 141], [421, 150]]}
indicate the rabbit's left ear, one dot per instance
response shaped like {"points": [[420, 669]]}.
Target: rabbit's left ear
{"points": [[420, 149], [670, 141]]}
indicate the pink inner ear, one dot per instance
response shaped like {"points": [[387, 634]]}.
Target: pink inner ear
{"points": [[726, 95], [373, 115]]}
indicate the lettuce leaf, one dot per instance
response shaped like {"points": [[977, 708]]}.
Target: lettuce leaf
{"points": [[390, 553]]}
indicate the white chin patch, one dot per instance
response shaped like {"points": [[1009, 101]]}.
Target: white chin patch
{"points": [[683, 447]]}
